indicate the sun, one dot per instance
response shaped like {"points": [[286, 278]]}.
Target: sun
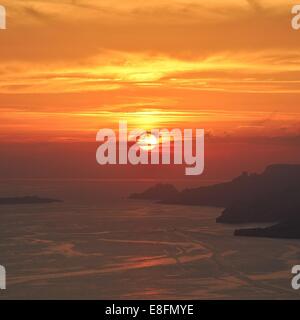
{"points": [[147, 141]]}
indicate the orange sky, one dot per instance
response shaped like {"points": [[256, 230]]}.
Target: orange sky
{"points": [[69, 68]]}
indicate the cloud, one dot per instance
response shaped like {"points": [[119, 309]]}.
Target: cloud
{"points": [[53, 29], [255, 4], [76, 57]]}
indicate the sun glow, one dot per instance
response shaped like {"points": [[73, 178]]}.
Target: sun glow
{"points": [[166, 64], [147, 142]]}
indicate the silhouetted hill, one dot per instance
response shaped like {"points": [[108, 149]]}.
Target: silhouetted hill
{"points": [[157, 192], [26, 200], [274, 197], [268, 207], [275, 178], [218, 195], [289, 229]]}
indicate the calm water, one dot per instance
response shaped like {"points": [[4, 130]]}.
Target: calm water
{"points": [[104, 247]]}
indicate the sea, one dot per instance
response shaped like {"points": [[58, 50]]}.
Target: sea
{"points": [[98, 244]]}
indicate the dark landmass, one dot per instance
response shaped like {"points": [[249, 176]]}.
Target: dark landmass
{"points": [[26, 200], [268, 207], [158, 192], [289, 229], [276, 198], [218, 195], [276, 178], [272, 196]]}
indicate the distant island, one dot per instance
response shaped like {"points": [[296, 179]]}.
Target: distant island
{"points": [[26, 200], [272, 196]]}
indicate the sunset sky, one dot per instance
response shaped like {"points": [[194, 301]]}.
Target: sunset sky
{"points": [[69, 68]]}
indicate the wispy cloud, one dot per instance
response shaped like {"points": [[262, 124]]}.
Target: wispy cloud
{"points": [[65, 63], [255, 4]]}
